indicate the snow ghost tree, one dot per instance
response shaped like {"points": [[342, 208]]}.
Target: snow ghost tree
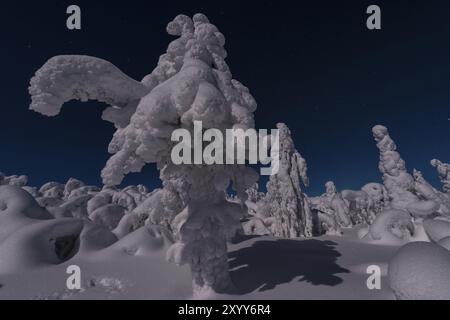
{"points": [[333, 210], [378, 196], [411, 200], [191, 83], [285, 200], [398, 182], [359, 206], [443, 170]]}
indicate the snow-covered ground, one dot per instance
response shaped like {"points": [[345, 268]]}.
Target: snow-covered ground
{"points": [[327, 267]]}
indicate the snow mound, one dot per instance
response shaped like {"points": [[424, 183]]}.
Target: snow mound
{"points": [[95, 237], [16, 202], [108, 216], [392, 226], [420, 271], [437, 229], [422, 209], [445, 243], [40, 244], [144, 241]]}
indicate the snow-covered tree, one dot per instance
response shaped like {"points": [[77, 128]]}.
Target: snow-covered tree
{"points": [[398, 182], [13, 180], [425, 191], [443, 170], [191, 83], [284, 200], [378, 197], [333, 211], [359, 207], [410, 199]]}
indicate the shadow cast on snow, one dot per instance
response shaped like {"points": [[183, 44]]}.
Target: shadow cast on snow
{"points": [[267, 264]]}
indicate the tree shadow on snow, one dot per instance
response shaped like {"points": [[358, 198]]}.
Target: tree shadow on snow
{"points": [[267, 264]]}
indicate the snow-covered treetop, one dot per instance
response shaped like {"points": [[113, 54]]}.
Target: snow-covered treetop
{"points": [[191, 83], [391, 164], [398, 182], [199, 87], [330, 188], [291, 161], [443, 170]]}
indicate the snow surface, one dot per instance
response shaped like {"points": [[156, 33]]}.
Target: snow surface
{"points": [[325, 267], [421, 270]]}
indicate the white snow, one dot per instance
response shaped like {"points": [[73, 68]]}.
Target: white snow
{"points": [[420, 270], [437, 229]]}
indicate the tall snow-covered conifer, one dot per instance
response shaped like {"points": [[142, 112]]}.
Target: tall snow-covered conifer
{"points": [[191, 83], [285, 200]]}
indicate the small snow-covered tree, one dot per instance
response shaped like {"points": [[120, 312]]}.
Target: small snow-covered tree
{"points": [[358, 203], [13, 180], [425, 191], [378, 197], [285, 200], [333, 210], [191, 83]]}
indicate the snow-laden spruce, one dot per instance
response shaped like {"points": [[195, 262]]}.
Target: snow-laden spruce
{"points": [[284, 200], [191, 83]]}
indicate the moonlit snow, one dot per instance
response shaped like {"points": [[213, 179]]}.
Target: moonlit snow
{"points": [[193, 238]]}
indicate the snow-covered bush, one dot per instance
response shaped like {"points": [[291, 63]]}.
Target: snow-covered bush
{"points": [[359, 206], [392, 226], [160, 207], [333, 211], [13, 180], [16, 180], [254, 199], [378, 197], [256, 226], [52, 190], [425, 191]]}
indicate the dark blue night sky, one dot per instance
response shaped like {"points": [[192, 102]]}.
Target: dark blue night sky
{"points": [[311, 64]]}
